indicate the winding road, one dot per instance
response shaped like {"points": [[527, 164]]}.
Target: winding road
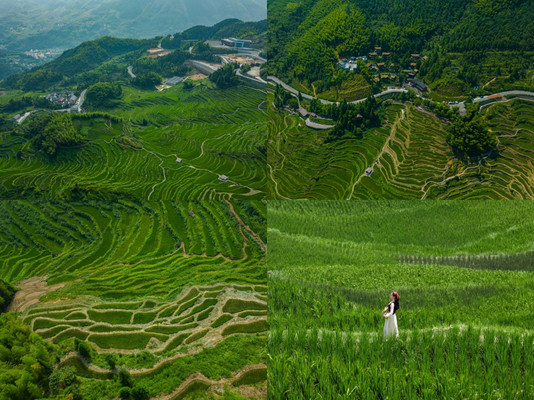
{"points": [[323, 101]]}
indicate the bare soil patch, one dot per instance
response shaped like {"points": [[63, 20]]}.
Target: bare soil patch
{"points": [[30, 292]]}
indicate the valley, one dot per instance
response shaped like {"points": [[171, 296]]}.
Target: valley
{"points": [[190, 138]]}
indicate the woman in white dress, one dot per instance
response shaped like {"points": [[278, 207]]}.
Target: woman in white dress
{"points": [[389, 314]]}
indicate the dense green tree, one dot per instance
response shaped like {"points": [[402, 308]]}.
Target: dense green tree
{"points": [[101, 93], [83, 349], [140, 393], [225, 77], [26, 361], [65, 381], [470, 137], [125, 393], [188, 85], [53, 131], [110, 361], [125, 378], [147, 80]]}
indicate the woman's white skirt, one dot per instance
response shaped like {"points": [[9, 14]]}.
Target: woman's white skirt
{"points": [[390, 326]]}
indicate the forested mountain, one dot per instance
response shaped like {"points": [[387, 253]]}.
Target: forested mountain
{"points": [[40, 24], [83, 58], [106, 58], [307, 38], [226, 28]]}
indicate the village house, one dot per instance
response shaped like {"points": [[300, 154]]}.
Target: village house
{"points": [[65, 98], [418, 84]]}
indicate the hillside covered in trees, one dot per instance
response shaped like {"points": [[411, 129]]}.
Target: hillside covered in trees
{"points": [[6, 294], [467, 43]]}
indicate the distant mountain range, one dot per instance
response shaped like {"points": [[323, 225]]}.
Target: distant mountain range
{"points": [[44, 24]]}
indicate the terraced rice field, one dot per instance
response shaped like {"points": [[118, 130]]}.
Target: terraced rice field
{"points": [[174, 291], [464, 274], [172, 145], [409, 157]]}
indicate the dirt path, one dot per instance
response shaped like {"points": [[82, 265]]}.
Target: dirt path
{"points": [[244, 226], [385, 149], [200, 378], [30, 292]]}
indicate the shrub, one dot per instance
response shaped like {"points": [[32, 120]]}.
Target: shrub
{"points": [[125, 379], [83, 349]]}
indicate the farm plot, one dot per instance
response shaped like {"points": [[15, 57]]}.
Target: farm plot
{"points": [[172, 292], [464, 276], [157, 327], [409, 158], [181, 144]]}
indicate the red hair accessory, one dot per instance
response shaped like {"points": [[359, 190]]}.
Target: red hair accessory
{"points": [[396, 295]]}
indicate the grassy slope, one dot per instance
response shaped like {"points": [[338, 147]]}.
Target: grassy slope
{"points": [[215, 135], [415, 159]]}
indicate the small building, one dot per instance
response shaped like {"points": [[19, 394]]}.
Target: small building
{"points": [[223, 178], [349, 65], [376, 79], [381, 65], [303, 112], [373, 55], [418, 84], [386, 55], [378, 50], [175, 80], [415, 56], [384, 77], [369, 171], [237, 43]]}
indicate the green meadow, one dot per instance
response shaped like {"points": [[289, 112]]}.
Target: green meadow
{"points": [[464, 273]]}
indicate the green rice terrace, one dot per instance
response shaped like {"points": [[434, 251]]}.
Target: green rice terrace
{"points": [[465, 276], [199, 143], [164, 300], [407, 157]]}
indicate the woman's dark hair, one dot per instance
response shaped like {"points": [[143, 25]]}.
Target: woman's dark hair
{"points": [[396, 305]]}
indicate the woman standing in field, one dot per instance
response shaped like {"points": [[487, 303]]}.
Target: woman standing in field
{"points": [[389, 314]]}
